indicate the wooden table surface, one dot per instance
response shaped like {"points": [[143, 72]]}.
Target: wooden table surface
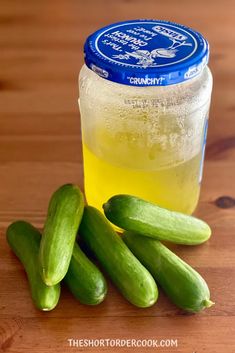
{"points": [[40, 149]]}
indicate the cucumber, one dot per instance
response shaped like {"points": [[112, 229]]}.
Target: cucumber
{"points": [[63, 218], [132, 279], [184, 286], [137, 215], [84, 279], [24, 240]]}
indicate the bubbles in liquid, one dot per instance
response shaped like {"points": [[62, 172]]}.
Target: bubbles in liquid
{"points": [[175, 187]]}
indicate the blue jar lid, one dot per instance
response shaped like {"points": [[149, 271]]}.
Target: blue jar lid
{"points": [[146, 53]]}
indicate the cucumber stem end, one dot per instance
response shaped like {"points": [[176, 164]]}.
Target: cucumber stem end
{"points": [[208, 303]]}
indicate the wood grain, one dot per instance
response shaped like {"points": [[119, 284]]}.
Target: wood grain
{"points": [[40, 148]]}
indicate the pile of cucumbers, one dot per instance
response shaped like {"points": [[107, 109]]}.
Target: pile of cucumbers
{"points": [[135, 261]]}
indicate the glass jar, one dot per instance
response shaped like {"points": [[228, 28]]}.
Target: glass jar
{"points": [[145, 93]]}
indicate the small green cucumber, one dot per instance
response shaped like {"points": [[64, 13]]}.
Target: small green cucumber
{"points": [[133, 280], [63, 218], [137, 215], [24, 240], [84, 279], [184, 286]]}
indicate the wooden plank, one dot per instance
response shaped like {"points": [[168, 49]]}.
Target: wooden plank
{"points": [[52, 334], [20, 303]]}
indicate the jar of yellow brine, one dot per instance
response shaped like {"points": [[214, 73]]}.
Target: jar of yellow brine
{"points": [[145, 92]]}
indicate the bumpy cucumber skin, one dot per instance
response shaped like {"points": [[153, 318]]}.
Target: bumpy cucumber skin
{"points": [[133, 280], [24, 240], [184, 286], [63, 218], [137, 215], [84, 279]]}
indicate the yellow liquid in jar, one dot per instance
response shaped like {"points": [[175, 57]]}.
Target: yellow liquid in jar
{"points": [[174, 187]]}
